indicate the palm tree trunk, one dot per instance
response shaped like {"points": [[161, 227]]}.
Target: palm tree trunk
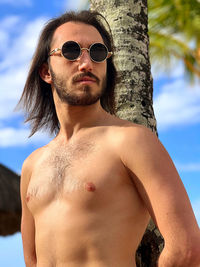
{"points": [[128, 21]]}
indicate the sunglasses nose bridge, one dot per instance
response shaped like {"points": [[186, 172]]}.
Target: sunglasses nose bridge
{"points": [[87, 49], [84, 49]]}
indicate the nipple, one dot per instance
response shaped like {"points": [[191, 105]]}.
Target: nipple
{"points": [[27, 198], [90, 187]]}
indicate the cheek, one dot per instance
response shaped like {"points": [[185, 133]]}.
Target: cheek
{"points": [[105, 67], [103, 70]]}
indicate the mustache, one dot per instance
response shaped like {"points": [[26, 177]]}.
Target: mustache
{"points": [[85, 74]]}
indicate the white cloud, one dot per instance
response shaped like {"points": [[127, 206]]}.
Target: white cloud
{"points": [[3, 41], [75, 4], [16, 3], [23, 46], [196, 208], [177, 104], [11, 83], [7, 26], [188, 167], [15, 62], [10, 137], [9, 22], [160, 71], [19, 47]]}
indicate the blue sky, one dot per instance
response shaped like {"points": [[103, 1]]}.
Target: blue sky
{"points": [[176, 104]]}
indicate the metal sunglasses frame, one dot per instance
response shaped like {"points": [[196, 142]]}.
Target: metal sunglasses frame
{"points": [[109, 54]]}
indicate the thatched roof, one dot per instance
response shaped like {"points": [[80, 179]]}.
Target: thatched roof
{"points": [[10, 204]]}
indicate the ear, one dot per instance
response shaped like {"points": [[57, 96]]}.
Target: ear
{"points": [[45, 73]]}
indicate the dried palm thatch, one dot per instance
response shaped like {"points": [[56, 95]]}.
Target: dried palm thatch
{"points": [[10, 204]]}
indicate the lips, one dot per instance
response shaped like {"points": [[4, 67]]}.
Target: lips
{"points": [[86, 79]]}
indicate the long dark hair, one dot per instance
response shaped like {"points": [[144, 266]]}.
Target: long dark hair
{"points": [[37, 99]]}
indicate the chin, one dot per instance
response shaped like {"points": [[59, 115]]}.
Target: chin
{"points": [[85, 99]]}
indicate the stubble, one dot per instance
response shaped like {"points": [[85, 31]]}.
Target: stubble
{"points": [[75, 98]]}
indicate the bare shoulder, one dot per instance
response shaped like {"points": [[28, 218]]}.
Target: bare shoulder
{"points": [[137, 146], [137, 131], [129, 136], [26, 173], [30, 162], [141, 138]]}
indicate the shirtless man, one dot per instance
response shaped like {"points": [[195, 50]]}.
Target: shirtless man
{"points": [[88, 195]]}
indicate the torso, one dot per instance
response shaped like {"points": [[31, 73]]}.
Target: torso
{"points": [[86, 208]]}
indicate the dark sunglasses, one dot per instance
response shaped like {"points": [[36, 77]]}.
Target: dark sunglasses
{"points": [[71, 50]]}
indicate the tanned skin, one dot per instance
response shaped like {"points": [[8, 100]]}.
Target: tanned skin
{"points": [[88, 195]]}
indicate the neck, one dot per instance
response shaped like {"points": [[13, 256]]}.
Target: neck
{"points": [[73, 119]]}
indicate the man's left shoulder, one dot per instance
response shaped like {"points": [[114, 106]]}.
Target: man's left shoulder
{"points": [[128, 132]]}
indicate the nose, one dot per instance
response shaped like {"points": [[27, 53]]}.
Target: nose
{"points": [[85, 62]]}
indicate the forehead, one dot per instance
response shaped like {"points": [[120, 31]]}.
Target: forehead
{"points": [[75, 31]]}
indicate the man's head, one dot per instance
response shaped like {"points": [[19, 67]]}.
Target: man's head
{"points": [[37, 95], [77, 64]]}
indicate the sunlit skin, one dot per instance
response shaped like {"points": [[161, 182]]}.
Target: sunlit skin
{"points": [[71, 71], [88, 195]]}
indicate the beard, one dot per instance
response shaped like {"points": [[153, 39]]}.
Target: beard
{"points": [[86, 97]]}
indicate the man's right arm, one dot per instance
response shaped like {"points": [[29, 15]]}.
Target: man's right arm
{"points": [[164, 195], [27, 222]]}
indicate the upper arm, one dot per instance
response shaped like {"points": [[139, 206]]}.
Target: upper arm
{"points": [[160, 186], [27, 222]]}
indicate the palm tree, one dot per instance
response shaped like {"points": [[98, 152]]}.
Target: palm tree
{"points": [[174, 30], [129, 25]]}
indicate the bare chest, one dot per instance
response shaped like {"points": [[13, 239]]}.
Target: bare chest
{"points": [[82, 175]]}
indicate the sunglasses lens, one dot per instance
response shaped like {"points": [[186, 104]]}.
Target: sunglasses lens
{"points": [[71, 50], [98, 52]]}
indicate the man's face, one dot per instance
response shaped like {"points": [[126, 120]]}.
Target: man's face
{"points": [[79, 82]]}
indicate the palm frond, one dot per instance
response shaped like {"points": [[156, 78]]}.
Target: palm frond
{"points": [[174, 31]]}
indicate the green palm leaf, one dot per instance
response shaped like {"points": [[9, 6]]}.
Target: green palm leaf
{"points": [[174, 32]]}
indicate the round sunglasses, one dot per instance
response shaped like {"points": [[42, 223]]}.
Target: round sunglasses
{"points": [[71, 50]]}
